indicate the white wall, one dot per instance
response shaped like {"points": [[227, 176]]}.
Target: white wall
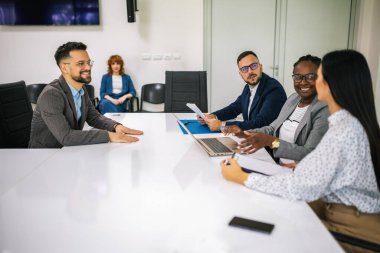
{"points": [[326, 30], [368, 42], [164, 27], [377, 93]]}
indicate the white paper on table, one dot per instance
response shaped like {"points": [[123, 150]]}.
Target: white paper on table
{"points": [[195, 109], [263, 167]]}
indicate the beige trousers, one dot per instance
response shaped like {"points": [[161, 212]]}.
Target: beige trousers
{"points": [[349, 221]]}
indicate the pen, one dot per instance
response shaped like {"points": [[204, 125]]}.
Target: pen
{"points": [[232, 157], [116, 114]]}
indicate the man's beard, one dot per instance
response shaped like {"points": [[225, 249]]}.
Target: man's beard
{"points": [[253, 83], [80, 79]]}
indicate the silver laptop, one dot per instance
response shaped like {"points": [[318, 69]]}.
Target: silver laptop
{"points": [[217, 146]]}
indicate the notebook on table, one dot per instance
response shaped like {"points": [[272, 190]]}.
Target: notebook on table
{"points": [[216, 146]]}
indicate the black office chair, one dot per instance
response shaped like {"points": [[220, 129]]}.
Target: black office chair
{"points": [[356, 241], [130, 107], [91, 93], [34, 91], [153, 93], [185, 87], [15, 115]]}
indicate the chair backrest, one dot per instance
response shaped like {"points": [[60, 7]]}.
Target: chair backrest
{"points": [[91, 93], [90, 90], [185, 87], [153, 93], [34, 91], [15, 115]]}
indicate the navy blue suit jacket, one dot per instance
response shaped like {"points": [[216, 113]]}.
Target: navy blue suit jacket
{"points": [[266, 105]]}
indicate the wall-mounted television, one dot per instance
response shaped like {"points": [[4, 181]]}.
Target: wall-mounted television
{"points": [[49, 12]]}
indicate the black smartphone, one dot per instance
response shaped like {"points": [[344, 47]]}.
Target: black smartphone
{"points": [[251, 225]]}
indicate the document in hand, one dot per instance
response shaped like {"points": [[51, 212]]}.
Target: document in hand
{"points": [[251, 164], [195, 109]]}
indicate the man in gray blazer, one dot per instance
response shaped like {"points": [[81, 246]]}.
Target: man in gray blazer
{"points": [[64, 106]]}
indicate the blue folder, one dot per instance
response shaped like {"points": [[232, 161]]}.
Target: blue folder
{"points": [[195, 127]]}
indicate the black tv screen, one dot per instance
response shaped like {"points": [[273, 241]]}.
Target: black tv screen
{"points": [[49, 12]]}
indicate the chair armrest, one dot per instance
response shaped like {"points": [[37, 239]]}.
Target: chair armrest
{"points": [[130, 104], [95, 101], [356, 241]]}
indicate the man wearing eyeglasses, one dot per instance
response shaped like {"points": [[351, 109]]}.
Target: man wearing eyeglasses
{"points": [[64, 106], [260, 102]]}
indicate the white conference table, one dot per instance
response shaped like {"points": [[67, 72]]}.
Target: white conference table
{"points": [[17, 164], [161, 194]]}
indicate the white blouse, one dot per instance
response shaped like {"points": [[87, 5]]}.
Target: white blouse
{"points": [[289, 127], [338, 170], [117, 84]]}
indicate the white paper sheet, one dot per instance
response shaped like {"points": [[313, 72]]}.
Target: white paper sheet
{"points": [[260, 166], [195, 109]]}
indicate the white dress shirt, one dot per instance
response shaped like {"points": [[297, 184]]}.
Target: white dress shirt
{"points": [[253, 93], [339, 170]]}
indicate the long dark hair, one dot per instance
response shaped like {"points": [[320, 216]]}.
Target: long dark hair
{"points": [[349, 79]]}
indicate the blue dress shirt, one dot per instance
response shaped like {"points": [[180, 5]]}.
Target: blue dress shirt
{"points": [[77, 96]]}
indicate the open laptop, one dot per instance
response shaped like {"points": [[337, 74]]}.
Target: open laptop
{"points": [[217, 146]]}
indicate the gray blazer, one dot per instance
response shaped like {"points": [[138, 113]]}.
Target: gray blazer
{"points": [[54, 121], [309, 132]]}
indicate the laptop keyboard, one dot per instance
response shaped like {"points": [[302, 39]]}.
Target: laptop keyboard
{"points": [[215, 145]]}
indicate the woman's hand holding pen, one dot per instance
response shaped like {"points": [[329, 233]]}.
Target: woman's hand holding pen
{"points": [[232, 171]]}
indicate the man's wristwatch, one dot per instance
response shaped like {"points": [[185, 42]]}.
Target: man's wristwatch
{"points": [[275, 144]]}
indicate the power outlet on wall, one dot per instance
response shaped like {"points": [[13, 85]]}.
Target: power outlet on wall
{"points": [[177, 56], [146, 57], [157, 57], [168, 56]]}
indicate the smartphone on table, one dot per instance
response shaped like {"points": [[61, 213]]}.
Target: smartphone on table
{"points": [[251, 225]]}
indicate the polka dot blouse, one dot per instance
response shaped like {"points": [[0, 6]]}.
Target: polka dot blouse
{"points": [[339, 170]]}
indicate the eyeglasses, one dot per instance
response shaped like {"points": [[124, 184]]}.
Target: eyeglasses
{"points": [[82, 64], [308, 77], [252, 66]]}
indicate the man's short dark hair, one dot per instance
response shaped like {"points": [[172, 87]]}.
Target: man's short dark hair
{"points": [[64, 50], [244, 54]]}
